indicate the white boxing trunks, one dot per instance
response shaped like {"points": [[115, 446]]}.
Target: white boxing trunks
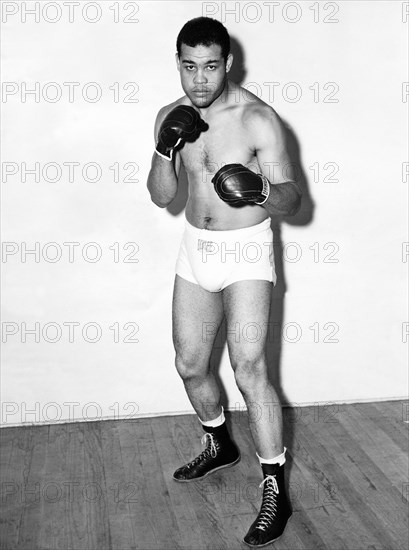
{"points": [[216, 259]]}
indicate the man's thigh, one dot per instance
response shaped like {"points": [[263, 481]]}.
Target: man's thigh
{"points": [[247, 309], [196, 317]]}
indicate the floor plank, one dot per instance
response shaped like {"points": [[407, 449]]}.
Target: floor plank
{"points": [[33, 489], [15, 447], [136, 492], [121, 521]]}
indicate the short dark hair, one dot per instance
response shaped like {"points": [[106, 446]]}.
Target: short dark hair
{"points": [[204, 31]]}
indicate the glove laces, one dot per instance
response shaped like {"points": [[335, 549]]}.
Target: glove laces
{"points": [[269, 506]]}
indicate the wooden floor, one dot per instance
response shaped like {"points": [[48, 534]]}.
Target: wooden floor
{"points": [[103, 485]]}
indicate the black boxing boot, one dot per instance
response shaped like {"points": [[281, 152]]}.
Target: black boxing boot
{"points": [[275, 508], [220, 452]]}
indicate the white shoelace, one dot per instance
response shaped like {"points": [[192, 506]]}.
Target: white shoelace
{"points": [[213, 448], [203, 454], [269, 506]]}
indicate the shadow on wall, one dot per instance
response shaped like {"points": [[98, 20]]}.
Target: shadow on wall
{"points": [[303, 217]]}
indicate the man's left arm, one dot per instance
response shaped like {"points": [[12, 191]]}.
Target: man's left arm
{"points": [[284, 196], [276, 187]]}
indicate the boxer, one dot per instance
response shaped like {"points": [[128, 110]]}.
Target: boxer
{"points": [[233, 148]]}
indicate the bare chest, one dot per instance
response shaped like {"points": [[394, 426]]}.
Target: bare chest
{"points": [[225, 142]]}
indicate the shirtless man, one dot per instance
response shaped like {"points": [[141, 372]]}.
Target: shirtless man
{"points": [[232, 146]]}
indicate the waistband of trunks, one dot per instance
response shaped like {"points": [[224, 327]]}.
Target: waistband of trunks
{"points": [[228, 234]]}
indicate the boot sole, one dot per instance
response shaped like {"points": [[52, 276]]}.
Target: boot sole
{"points": [[209, 472], [270, 541]]}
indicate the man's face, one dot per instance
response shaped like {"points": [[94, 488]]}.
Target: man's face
{"points": [[202, 72]]}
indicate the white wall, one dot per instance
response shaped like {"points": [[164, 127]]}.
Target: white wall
{"points": [[363, 212]]}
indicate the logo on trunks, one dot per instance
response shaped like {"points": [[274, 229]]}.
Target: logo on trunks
{"points": [[209, 246]]}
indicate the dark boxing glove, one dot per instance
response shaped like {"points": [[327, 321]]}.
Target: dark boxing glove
{"points": [[237, 185], [183, 123]]}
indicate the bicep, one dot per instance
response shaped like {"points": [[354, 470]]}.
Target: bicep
{"points": [[272, 152]]}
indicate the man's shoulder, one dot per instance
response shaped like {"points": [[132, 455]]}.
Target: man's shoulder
{"points": [[166, 109], [255, 110], [259, 118], [250, 107]]}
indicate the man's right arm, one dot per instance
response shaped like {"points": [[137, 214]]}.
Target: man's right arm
{"points": [[163, 176]]}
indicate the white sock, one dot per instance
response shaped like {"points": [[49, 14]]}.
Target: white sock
{"points": [[280, 459], [215, 422]]}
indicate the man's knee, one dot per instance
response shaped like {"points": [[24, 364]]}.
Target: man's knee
{"points": [[189, 365], [250, 371]]}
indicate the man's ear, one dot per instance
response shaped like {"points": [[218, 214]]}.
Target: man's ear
{"points": [[177, 61], [229, 62]]}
